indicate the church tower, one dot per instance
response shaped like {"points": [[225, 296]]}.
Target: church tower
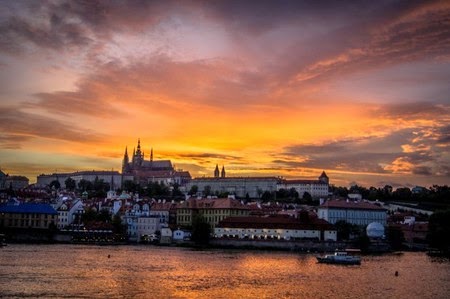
{"points": [[222, 174], [125, 161], [324, 178], [216, 171], [138, 155]]}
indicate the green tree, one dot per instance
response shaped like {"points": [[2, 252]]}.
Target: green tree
{"points": [[118, 227], [55, 184], [267, 196], [307, 198], [201, 230], [70, 184], [85, 185], [345, 229], [395, 237], [207, 191], [439, 230], [194, 190]]}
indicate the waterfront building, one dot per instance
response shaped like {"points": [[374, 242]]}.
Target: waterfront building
{"points": [[67, 210], [355, 212], [166, 211], [316, 188], [213, 210], [14, 214], [156, 171], [140, 223], [166, 236], [275, 228]]}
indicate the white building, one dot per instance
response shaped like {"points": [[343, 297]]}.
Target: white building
{"points": [[355, 212], [67, 211], [140, 223], [166, 235], [274, 228], [316, 188], [110, 177], [239, 186]]}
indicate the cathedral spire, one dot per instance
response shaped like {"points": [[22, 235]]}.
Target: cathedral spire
{"points": [[222, 174], [216, 171], [151, 155]]}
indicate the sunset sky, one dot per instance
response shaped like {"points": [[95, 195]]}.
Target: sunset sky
{"points": [[360, 89]]}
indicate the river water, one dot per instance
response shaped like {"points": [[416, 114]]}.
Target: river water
{"points": [[78, 271]]}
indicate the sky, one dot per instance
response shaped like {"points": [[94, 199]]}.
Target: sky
{"points": [[359, 89]]}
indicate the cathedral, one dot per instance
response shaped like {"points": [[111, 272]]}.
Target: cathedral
{"points": [[151, 170]]}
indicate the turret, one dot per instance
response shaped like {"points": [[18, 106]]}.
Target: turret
{"points": [[324, 178], [222, 174]]}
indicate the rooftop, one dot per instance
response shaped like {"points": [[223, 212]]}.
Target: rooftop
{"points": [[349, 204]]}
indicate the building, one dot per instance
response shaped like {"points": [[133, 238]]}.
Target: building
{"points": [[316, 188], [2, 180], [16, 182], [145, 171], [254, 187], [355, 212], [275, 228], [166, 211], [67, 211], [114, 178], [140, 223], [14, 214], [213, 210]]}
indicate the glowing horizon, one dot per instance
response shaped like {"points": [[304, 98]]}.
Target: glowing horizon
{"points": [[263, 88]]}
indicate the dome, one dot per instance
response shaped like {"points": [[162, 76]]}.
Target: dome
{"points": [[375, 230]]}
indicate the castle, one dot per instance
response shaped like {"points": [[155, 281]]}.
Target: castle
{"points": [[145, 171]]}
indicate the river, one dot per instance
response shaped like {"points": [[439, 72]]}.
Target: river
{"points": [[78, 271]]}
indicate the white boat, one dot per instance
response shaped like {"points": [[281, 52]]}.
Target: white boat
{"points": [[339, 257]]}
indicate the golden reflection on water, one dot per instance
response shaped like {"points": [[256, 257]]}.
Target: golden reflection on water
{"points": [[154, 272]]}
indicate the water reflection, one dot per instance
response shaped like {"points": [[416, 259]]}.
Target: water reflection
{"points": [[154, 272]]}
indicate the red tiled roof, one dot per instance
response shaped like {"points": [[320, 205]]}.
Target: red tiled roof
{"points": [[355, 205], [210, 203]]}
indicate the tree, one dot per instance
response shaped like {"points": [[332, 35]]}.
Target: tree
{"points": [[207, 191], [119, 228], [194, 190], [55, 184], [85, 185], [267, 196], [439, 230], [395, 237], [307, 198], [201, 230], [70, 184]]}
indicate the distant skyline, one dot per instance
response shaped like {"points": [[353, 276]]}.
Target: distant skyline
{"points": [[359, 89]]}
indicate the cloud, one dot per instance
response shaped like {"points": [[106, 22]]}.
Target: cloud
{"points": [[405, 151], [416, 33], [22, 126]]}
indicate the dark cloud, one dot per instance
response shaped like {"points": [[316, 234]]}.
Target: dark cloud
{"points": [[413, 33], [65, 24], [87, 100], [12, 141], [422, 170], [22, 126], [202, 156], [404, 151], [416, 110]]}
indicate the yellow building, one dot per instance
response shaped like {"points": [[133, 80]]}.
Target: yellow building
{"points": [[27, 215], [212, 209]]}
